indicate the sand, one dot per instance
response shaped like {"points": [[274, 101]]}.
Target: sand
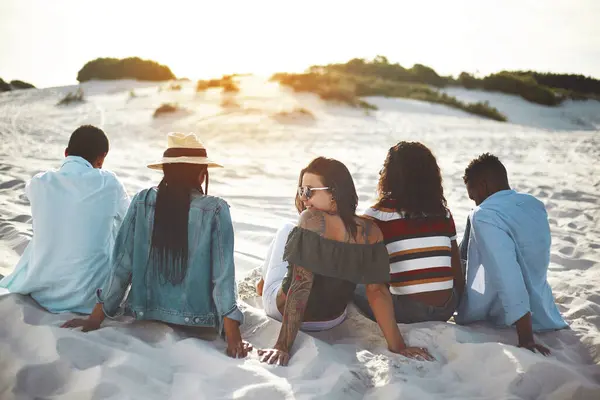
{"points": [[551, 153]]}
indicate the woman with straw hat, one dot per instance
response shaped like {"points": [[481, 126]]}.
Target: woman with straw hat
{"points": [[175, 249]]}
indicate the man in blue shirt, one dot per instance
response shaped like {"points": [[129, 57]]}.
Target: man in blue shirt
{"points": [[507, 253], [76, 211]]}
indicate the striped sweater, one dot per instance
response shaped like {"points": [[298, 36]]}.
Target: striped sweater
{"points": [[419, 249]]}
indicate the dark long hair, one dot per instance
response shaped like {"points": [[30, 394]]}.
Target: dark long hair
{"points": [[336, 176], [169, 248], [412, 179]]}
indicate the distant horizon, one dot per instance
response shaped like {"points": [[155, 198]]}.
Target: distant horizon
{"points": [[270, 73], [47, 43]]}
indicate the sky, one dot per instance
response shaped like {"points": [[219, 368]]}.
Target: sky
{"points": [[46, 42]]}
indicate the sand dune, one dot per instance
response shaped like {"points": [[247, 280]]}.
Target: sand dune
{"points": [[549, 152]]}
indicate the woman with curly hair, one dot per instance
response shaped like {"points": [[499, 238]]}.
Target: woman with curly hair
{"points": [[426, 279]]}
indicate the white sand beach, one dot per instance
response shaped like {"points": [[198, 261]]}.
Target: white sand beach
{"points": [[552, 153]]}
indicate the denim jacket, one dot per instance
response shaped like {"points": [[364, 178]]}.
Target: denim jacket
{"points": [[208, 292]]}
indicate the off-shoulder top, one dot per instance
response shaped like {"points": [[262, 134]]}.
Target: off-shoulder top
{"points": [[337, 267]]}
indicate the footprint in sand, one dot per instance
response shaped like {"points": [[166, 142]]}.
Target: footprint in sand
{"points": [[106, 391], [572, 225], [567, 250], [34, 381], [21, 218], [13, 184], [82, 354]]}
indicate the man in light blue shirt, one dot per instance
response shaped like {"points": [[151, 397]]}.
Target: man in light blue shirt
{"points": [[507, 253], [76, 211]]}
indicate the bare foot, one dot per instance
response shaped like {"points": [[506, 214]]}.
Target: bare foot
{"points": [[259, 286]]}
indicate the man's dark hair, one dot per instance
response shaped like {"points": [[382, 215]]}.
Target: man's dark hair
{"points": [[486, 166], [88, 142]]}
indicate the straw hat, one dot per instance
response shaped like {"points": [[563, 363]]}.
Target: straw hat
{"points": [[184, 148]]}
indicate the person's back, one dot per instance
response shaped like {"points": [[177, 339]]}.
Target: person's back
{"points": [[525, 220], [312, 268], [209, 256], [76, 212], [175, 252], [322, 239], [426, 279], [506, 251]]}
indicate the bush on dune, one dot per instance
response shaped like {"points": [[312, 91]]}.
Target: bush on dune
{"points": [[230, 87], [381, 68], [4, 86], [175, 87], [540, 88], [577, 84], [328, 86], [485, 110], [522, 85], [347, 89], [14, 85], [230, 102], [72, 97], [296, 113], [166, 108], [468, 81], [226, 83], [128, 68]]}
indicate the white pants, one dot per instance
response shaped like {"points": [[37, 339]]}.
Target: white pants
{"points": [[274, 270]]}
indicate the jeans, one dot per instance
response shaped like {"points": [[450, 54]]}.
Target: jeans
{"points": [[407, 310]]}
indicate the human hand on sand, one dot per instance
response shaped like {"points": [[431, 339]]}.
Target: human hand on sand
{"points": [[238, 349], [87, 324], [417, 353], [535, 348], [259, 286], [274, 356]]}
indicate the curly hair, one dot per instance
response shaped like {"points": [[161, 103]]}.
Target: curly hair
{"points": [[336, 176], [487, 166], [411, 178]]}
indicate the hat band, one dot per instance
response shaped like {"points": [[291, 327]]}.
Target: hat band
{"points": [[183, 152]]}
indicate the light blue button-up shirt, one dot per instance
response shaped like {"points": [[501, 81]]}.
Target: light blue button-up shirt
{"points": [[77, 211], [507, 264]]}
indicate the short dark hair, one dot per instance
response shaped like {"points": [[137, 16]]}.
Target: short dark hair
{"points": [[486, 166], [88, 142]]}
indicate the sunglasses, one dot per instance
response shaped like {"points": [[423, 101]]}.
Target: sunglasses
{"points": [[308, 192]]}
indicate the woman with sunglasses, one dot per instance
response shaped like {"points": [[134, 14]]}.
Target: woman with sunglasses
{"points": [[312, 268], [426, 278]]}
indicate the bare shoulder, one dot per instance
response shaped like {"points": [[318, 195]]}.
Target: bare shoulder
{"points": [[370, 231], [313, 220]]}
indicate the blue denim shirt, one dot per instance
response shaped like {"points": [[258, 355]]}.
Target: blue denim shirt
{"points": [[507, 264], [208, 292]]}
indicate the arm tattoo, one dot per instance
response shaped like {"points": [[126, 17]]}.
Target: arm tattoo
{"points": [[295, 305]]}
